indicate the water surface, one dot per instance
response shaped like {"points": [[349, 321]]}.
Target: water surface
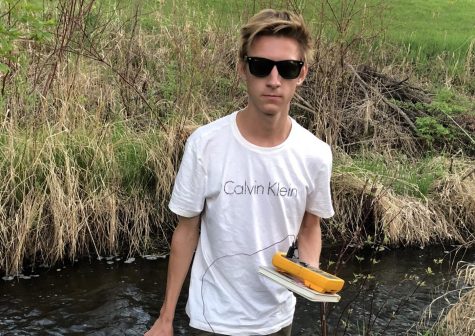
{"points": [[111, 297]]}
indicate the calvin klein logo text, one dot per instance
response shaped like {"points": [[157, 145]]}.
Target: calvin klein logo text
{"points": [[272, 189]]}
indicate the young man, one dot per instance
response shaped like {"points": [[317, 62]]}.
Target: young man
{"points": [[248, 185]]}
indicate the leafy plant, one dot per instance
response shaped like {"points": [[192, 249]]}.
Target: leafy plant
{"points": [[20, 21], [404, 176], [432, 130]]}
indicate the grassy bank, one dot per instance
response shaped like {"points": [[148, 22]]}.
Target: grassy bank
{"points": [[99, 97], [97, 107], [457, 316], [70, 193], [436, 38]]}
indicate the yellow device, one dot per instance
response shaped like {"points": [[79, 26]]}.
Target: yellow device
{"points": [[313, 278]]}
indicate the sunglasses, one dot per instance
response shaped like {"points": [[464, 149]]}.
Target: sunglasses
{"points": [[262, 67]]}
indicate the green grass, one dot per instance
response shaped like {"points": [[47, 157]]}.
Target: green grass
{"points": [[434, 36], [426, 28], [433, 26], [403, 175]]}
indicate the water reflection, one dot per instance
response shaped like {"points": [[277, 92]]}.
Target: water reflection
{"points": [[104, 298], [94, 298]]}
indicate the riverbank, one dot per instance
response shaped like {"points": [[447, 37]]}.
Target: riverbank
{"points": [[98, 106]]}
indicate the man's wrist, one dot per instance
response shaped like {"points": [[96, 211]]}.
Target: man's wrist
{"points": [[167, 315]]}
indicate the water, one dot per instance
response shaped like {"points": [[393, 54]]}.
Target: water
{"points": [[110, 297]]}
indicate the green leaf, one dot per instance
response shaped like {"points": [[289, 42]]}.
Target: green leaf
{"points": [[4, 68]]}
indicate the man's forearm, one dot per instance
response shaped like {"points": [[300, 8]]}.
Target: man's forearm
{"points": [[310, 240], [184, 242]]}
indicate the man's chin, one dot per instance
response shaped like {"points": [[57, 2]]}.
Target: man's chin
{"points": [[274, 111]]}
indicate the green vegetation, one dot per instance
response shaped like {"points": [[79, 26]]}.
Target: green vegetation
{"points": [[431, 130], [403, 175], [433, 27], [427, 32], [98, 98]]}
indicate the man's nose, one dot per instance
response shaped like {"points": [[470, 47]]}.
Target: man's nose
{"points": [[274, 79]]}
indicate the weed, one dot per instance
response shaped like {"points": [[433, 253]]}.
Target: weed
{"points": [[97, 109], [431, 130]]}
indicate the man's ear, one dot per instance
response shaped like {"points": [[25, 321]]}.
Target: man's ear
{"points": [[241, 69], [303, 75]]}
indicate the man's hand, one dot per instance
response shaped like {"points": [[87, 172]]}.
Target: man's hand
{"points": [[161, 328]]}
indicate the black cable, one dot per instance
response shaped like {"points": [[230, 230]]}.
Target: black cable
{"points": [[291, 251]]}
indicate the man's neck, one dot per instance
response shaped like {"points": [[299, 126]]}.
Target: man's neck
{"points": [[264, 130]]}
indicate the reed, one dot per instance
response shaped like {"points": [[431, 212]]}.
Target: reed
{"points": [[95, 120], [90, 153], [69, 193], [457, 318], [386, 205], [456, 198]]}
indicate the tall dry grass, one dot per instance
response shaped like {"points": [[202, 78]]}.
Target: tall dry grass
{"points": [[70, 193], [456, 198], [367, 205], [93, 132], [457, 317], [95, 121]]}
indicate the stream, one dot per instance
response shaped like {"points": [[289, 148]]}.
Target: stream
{"points": [[386, 293]]}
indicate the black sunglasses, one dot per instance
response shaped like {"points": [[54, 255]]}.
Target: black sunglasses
{"points": [[262, 67]]}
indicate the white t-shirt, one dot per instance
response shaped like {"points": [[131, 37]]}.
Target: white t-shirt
{"points": [[251, 200]]}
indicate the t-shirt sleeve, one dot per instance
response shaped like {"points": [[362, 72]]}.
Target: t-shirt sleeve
{"points": [[187, 199], [319, 200]]}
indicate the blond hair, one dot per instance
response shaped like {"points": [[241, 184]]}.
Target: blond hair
{"points": [[270, 22]]}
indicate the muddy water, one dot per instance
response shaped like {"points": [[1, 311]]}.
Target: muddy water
{"points": [[111, 297]]}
